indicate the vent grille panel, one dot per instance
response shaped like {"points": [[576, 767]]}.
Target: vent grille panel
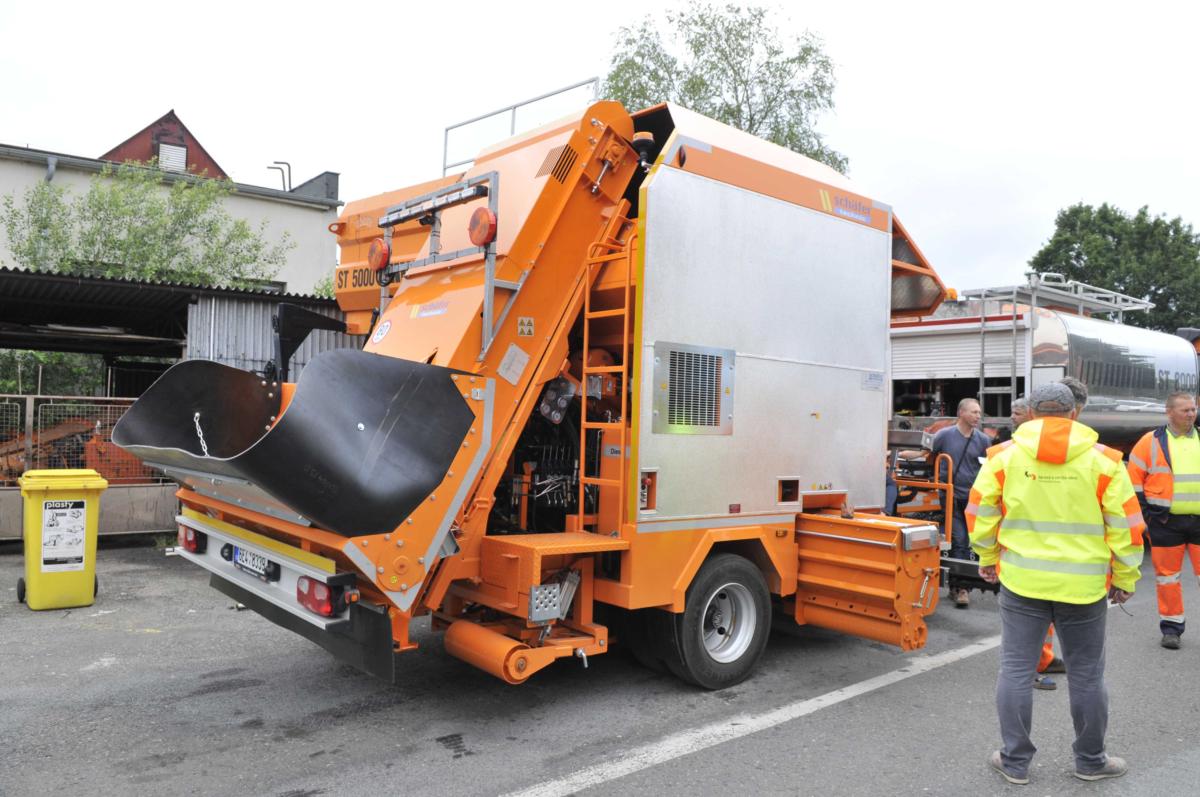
{"points": [[563, 167], [694, 398], [551, 159], [693, 389]]}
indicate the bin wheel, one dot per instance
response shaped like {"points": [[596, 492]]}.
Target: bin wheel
{"points": [[95, 587], [20, 590]]}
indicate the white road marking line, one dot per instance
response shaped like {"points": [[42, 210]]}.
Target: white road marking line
{"points": [[692, 741], [688, 742], [104, 663]]}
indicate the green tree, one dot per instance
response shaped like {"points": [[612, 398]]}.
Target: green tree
{"points": [[1150, 257], [129, 224], [39, 227], [732, 64], [61, 373], [324, 287]]}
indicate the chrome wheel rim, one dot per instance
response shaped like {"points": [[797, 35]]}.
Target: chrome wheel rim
{"points": [[729, 622]]}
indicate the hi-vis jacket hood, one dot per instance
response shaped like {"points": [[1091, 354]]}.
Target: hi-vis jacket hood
{"points": [[1056, 512], [1055, 440]]}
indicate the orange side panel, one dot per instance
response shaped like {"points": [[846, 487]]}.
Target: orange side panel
{"points": [[855, 578], [729, 167], [661, 564]]}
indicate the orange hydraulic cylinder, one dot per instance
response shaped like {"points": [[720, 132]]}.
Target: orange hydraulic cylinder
{"points": [[488, 650]]}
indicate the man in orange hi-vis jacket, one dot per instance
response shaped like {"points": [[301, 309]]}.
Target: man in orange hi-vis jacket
{"points": [[1054, 519], [1165, 469]]}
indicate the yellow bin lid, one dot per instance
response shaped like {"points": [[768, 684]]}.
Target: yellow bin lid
{"points": [[61, 480]]}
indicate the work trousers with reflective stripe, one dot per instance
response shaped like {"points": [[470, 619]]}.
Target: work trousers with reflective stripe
{"points": [[1172, 537], [1080, 629]]}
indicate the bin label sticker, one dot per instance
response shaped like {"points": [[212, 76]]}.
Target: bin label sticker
{"points": [[64, 532]]}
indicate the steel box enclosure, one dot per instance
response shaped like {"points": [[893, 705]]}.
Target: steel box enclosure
{"points": [[803, 299]]}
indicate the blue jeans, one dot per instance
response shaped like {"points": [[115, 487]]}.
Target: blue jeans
{"points": [[960, 540], [1080, 629]]}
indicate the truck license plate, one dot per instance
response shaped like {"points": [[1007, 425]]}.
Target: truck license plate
{"points": [[256, 563]]}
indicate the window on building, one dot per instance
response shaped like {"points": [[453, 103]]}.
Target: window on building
{"points": [[172, 158]]}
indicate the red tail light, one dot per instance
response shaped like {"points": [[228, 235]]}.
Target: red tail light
{"points": [[482, 227], [191, 540], [378, 254], [317, 596]]}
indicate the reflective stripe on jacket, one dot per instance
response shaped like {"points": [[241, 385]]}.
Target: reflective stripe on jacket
{"points": [[1153, 476], [1057, 513], [1184, 454]]}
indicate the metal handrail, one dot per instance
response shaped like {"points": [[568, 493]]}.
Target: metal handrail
{"points": [[594, 82]]}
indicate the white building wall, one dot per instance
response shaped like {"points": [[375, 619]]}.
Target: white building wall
{"points": [[313, 256]]}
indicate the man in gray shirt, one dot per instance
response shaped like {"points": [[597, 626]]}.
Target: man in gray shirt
{"points": [[967, 446]]}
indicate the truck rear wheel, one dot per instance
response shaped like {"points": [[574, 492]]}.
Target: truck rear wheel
{"points": [[722, 632], [640, 636]]}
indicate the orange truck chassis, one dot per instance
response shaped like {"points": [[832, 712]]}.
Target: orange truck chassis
{"points": [[622, 381]]}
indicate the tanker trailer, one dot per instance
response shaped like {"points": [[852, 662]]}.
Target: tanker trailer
{"points": [[973, 349], [599, 381], [998, 343]]}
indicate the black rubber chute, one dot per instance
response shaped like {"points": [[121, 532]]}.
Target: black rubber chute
{"points": [[364, 441]]}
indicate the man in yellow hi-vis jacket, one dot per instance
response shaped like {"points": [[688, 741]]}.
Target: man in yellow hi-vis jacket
{"points": [[1054, 518]]}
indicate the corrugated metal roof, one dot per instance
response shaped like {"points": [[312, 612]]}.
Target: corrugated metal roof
{"points": [[40, 310], [20, 275]]}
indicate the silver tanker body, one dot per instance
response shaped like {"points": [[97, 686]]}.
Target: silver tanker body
{"points": [[1129, 371]]}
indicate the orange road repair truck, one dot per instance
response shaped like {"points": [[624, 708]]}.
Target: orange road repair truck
{"points": [[626, 372]]}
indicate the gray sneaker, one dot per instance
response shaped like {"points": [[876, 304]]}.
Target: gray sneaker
{"points": [[998, 764], [1170, 641], [1113, 768]]}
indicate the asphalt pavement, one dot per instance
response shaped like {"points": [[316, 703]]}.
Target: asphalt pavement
{"points": [[163, 687]]}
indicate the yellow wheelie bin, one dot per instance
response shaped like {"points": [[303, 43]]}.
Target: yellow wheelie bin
{"points": [[62, 519]]}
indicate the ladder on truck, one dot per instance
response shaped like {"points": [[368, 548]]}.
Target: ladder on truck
{"points": [[1047, 290], [609, 249], [1000, 296]]}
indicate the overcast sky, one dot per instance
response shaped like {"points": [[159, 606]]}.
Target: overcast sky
{"points": [[976, 126]]}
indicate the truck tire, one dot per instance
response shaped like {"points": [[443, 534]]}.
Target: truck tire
{"points": [[641, 641], [723, 630]]}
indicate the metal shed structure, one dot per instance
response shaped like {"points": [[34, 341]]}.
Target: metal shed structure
{"points": [[126, 322]]}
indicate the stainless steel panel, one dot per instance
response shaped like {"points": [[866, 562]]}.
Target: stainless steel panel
{"points": [[233, 490], [917, 538], [802, 298], [913, 292], [1129, 370], [544, 602]]}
